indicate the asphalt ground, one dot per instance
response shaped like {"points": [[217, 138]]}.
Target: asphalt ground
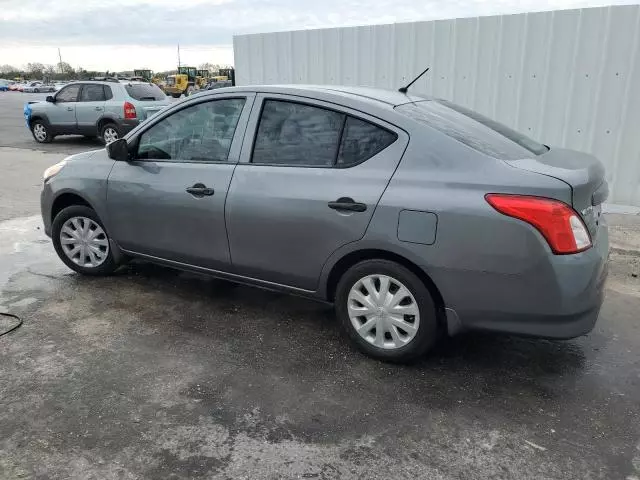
{"points": [[159, 374]]}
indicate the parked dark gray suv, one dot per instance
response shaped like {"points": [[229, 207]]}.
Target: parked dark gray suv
{"points": [[104, 109], [416, 217]]}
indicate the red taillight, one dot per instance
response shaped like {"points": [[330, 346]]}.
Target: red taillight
{"points": [[558, 223], [129, 111]]}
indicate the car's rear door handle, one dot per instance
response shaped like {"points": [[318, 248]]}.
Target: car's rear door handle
{"points": [[200, 190], [348, 204], [70, 109]]}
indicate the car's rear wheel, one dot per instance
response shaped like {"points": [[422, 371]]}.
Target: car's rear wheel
{"points": [[36, 90], [41, 132], [386, 310], [81, 241], [110, 133]]}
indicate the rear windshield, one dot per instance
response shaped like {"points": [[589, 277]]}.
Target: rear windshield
{"points": [[144, 91], [472, 129]]}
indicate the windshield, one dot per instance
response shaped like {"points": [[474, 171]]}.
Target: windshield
{"points": [[474, 130], [144, 91]]}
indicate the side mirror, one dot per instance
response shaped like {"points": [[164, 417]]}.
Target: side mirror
{"points": [[118, 150], [50, 99]]}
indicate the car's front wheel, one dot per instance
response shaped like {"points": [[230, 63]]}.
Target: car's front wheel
{"points": [[386, 310], [110, 133], [82, 242], [41, 132]]}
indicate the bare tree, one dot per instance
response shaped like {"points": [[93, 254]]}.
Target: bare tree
{"points": [[65, 68], [7, 68]]}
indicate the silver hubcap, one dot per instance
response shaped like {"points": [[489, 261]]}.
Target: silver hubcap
{"points": [[110, 135], [40, 132], [383, 311], [84, 242]]}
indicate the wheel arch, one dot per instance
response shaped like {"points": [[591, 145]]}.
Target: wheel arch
{"points": [[105, 120], [67, 199], [354, 257], [39, 116]]}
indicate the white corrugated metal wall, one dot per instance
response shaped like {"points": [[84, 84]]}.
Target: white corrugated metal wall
{"points": [[568, 78]]}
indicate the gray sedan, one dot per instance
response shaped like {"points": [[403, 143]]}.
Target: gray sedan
{"points": [[38, 87], [414, 216]]}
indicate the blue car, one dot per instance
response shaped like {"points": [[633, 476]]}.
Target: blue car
{"points": [[4, 85]]}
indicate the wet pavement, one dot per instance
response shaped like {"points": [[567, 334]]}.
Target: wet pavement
{"points": [[154, 373]]}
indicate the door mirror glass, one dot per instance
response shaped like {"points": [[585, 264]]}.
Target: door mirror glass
{"points": [[118, 150], [50, 99]]}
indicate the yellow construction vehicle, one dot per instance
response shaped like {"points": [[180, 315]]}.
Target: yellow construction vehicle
{"points": [[203, 78], [183, 82], [145, 75]]}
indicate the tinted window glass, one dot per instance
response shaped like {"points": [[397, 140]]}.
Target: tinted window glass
{"points": [[522, 140], [362, 140], [202, 132], [92, 93], [68, 94], [144, 91], [107, 92], [295, 134], [472, 129]]}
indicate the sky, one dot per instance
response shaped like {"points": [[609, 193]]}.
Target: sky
{"points": [[126, 34]]}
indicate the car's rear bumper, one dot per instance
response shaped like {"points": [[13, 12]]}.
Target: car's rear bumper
{"points": [[127, 125], [559, 298]]}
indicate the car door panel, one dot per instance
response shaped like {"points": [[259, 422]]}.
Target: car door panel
{"points": [[152, 213], [279, 219], [89, 108], [62, 112]]}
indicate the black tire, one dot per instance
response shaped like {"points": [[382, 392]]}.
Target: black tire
{"points": [[36, 90], [105, 128], [176, 95], [427, 333], [108, 266], [39, 126]]}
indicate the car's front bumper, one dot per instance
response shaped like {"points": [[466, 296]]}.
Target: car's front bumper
{"points": [[46, 202]]}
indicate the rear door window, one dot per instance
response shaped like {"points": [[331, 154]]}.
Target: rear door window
{"points": [[92, 93], [144, 91], [297, 134]]}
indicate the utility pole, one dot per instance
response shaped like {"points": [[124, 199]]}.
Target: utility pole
{"points": [[60, 58], [178, 56]]}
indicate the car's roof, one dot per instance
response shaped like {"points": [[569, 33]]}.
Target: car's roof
{"points": [[362, 94]]}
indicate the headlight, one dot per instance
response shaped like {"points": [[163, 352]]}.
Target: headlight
{"points": [[53, 170]]}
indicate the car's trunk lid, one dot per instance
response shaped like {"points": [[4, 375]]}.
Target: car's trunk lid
{"points": [[582, 172]]}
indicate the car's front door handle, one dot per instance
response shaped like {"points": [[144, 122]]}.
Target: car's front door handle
{"points": [[69, 109], [200, 190], [98, 108], [348, 204]]}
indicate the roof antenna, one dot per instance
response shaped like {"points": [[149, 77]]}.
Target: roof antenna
{"points": [[404, 89]]}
